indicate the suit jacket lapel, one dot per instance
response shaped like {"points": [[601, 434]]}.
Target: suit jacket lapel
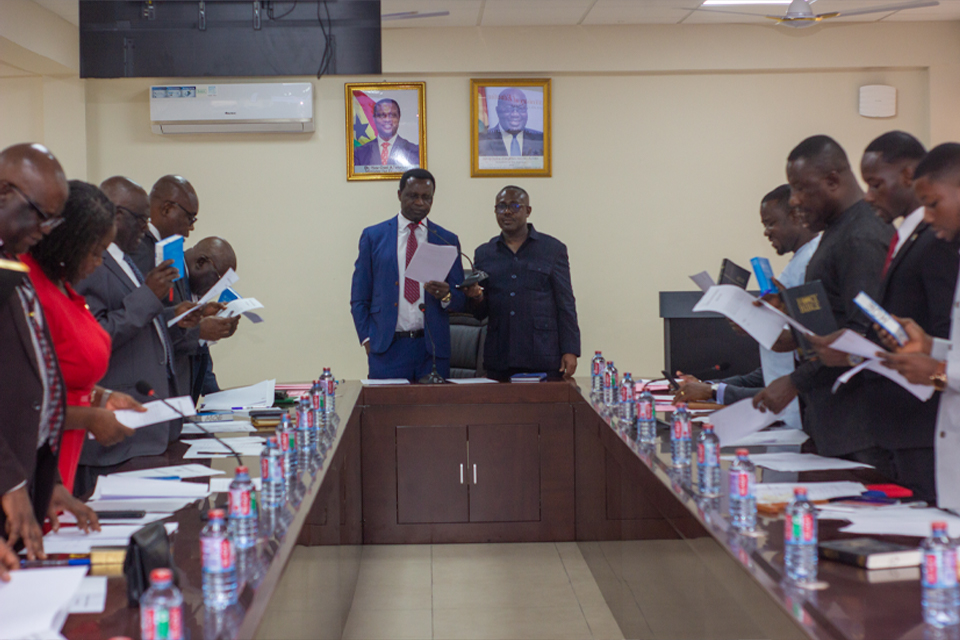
{"points": [[114, 267], [20, 322], [391, 239], [901, 254]]}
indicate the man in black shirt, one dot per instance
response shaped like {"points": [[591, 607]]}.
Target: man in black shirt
{"points": [[849, 260], [528, 297]]}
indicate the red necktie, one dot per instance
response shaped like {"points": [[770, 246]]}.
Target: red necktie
{"points": [[411, 288], [384, 153], [890, 252]]}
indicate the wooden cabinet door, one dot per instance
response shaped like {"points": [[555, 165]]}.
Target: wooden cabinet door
{"points": [[429, 463], [507, 462]]}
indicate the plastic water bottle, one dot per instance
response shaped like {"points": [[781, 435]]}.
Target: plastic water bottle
{"points": [[271, 474], [242, 522], [941, 600], [306, 446], [800, 538], [161, 608], [329, 385], [742, 498], [610, 387], [219, 565], [598, 364], [317, 397], [646, 418], [681, 437], [708, 462], [628, 403]]}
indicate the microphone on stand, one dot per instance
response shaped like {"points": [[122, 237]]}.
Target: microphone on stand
{"points": [[144, 387], [434, 376], [707, 373]]}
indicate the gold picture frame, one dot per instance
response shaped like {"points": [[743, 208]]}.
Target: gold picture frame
{"points": [[523, 150], [365, 148]]}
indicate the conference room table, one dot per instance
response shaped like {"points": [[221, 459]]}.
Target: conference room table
{"points": [[504, 463]]}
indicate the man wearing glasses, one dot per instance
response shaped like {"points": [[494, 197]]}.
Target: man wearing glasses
{"points": [[510, 136], [528, 297], [33, 191]]}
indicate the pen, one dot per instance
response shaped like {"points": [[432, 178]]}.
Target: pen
{"points": [[70, 562], [167, 478]]}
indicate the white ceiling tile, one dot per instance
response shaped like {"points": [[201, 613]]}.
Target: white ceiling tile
{"points": [[463, 13], [510, 13], [633, 12]]}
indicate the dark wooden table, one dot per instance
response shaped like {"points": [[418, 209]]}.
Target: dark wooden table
{"points": [[550, 466]]}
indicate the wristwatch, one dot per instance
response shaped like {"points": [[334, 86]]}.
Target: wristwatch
{"points": [[939, 381], [713, 389], [445, 299]]}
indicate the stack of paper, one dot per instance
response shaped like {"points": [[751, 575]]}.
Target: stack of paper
{"points": [[72, 540], [214, 448], [802, 462], [227, 426], [900, 522], [222, 485], [176, 472], [777, 492], [35, 602], [383, 382], [114, 487], [257, 395]]}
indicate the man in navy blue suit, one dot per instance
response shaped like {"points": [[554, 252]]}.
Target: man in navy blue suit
{"points": [[392, 312], [387, 148]]}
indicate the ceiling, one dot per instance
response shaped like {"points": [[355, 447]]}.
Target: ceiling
{"points": [[529, 13]]}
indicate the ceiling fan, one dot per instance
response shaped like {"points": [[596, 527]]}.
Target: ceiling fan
{"points": [[799, 14]]}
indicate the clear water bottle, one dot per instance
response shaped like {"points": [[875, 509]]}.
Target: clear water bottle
{"points": [[628, 403], [681, 444], [242, 522], [271, 474], [219, 564], [598, 364], [161, 608], [287, 441], [306, 443], [708, 462], [742, 498], [329, 385], [940, 599], [800, 538], [319, 417], [646, 418], [610, 386]]}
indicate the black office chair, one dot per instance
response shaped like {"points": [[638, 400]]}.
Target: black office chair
{"points": [[467, 337]]}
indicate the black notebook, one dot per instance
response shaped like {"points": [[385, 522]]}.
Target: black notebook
{"points": [[808, 305], [731, 273], [870, 554], [11, 274]]}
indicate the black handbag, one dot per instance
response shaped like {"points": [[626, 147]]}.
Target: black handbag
{"points": [[149, 549]]}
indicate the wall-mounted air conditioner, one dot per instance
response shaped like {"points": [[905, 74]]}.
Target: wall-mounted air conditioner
{"points": [[232, 108]]}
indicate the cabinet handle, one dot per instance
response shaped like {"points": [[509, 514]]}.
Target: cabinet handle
{"points": [[474, 474], [461, 473]]}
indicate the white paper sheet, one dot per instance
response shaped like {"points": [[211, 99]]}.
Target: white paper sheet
{"points": [[431, 262], [902, 522], [91, 597], [762, 323], [67, 518], [165, 506], [703, 280], [36, 600], [214, 448], [228, 426], [802, 462], [244, 306], [772, 437], [852, 342], [226, 280], [383, 382], [787, 319], [180, 471], [72, 540], [774, 492], [221, 485], [922, 392], [156, 412], [113, 487], [740, 419], [471, 381], [256, 395]]}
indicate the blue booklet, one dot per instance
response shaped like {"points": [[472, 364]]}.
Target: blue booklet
{"points": [[229, 295], [761, 269], [528, 377], [171, 248]]}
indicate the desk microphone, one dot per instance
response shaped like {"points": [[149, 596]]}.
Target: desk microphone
{"points": [[144, 387], [707, 373], [474, 278], [434, 376]]}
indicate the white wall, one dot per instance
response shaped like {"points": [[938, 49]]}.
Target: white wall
{"points": [[665, 138]]}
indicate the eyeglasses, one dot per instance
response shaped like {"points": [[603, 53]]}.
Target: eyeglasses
{"points": [[512, 108], [191, 217], [139, 217], [47, 221], [512, 207]]}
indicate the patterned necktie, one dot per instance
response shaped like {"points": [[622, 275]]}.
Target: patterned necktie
{"points": [[384, 153], [411, 288], [160, 329], [893, 247], [49, 429], [514, 147]]}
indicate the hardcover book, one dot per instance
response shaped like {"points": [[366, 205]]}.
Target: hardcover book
{"points": [[808, 305], [869, 553], [731, 273]]}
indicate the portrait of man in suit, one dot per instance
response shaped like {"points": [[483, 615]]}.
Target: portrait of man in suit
{"points": [[380, 132], [510, 128], [510, 136]]}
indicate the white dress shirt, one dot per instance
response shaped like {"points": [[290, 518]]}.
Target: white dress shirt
{"points": [[910, 223], [409, 316], [947, 436], [508, 139]]}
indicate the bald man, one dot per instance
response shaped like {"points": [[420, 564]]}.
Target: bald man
{"points": [[129, 304], [510, 136], [174, 207], [33, 191], [207, 261]]}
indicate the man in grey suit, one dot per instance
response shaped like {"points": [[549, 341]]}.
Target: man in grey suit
{"points": [[128, 303], [510, 136]]}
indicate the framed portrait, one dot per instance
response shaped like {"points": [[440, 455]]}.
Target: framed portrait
{"points": [[510, 127], [386, 129]]}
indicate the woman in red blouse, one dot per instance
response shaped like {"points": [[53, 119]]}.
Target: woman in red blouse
{"points": [[70, 253]]}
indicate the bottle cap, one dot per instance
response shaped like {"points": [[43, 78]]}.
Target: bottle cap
{"points": [[597, 353], [272, 441], [161, 575], [216, 514], [707, 427], [627, 373], [242, 469], [800, 491], [939, 525], [743, 452], [681, 405]]}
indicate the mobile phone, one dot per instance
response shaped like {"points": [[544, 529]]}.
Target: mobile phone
{"points": [[674, 385]]}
